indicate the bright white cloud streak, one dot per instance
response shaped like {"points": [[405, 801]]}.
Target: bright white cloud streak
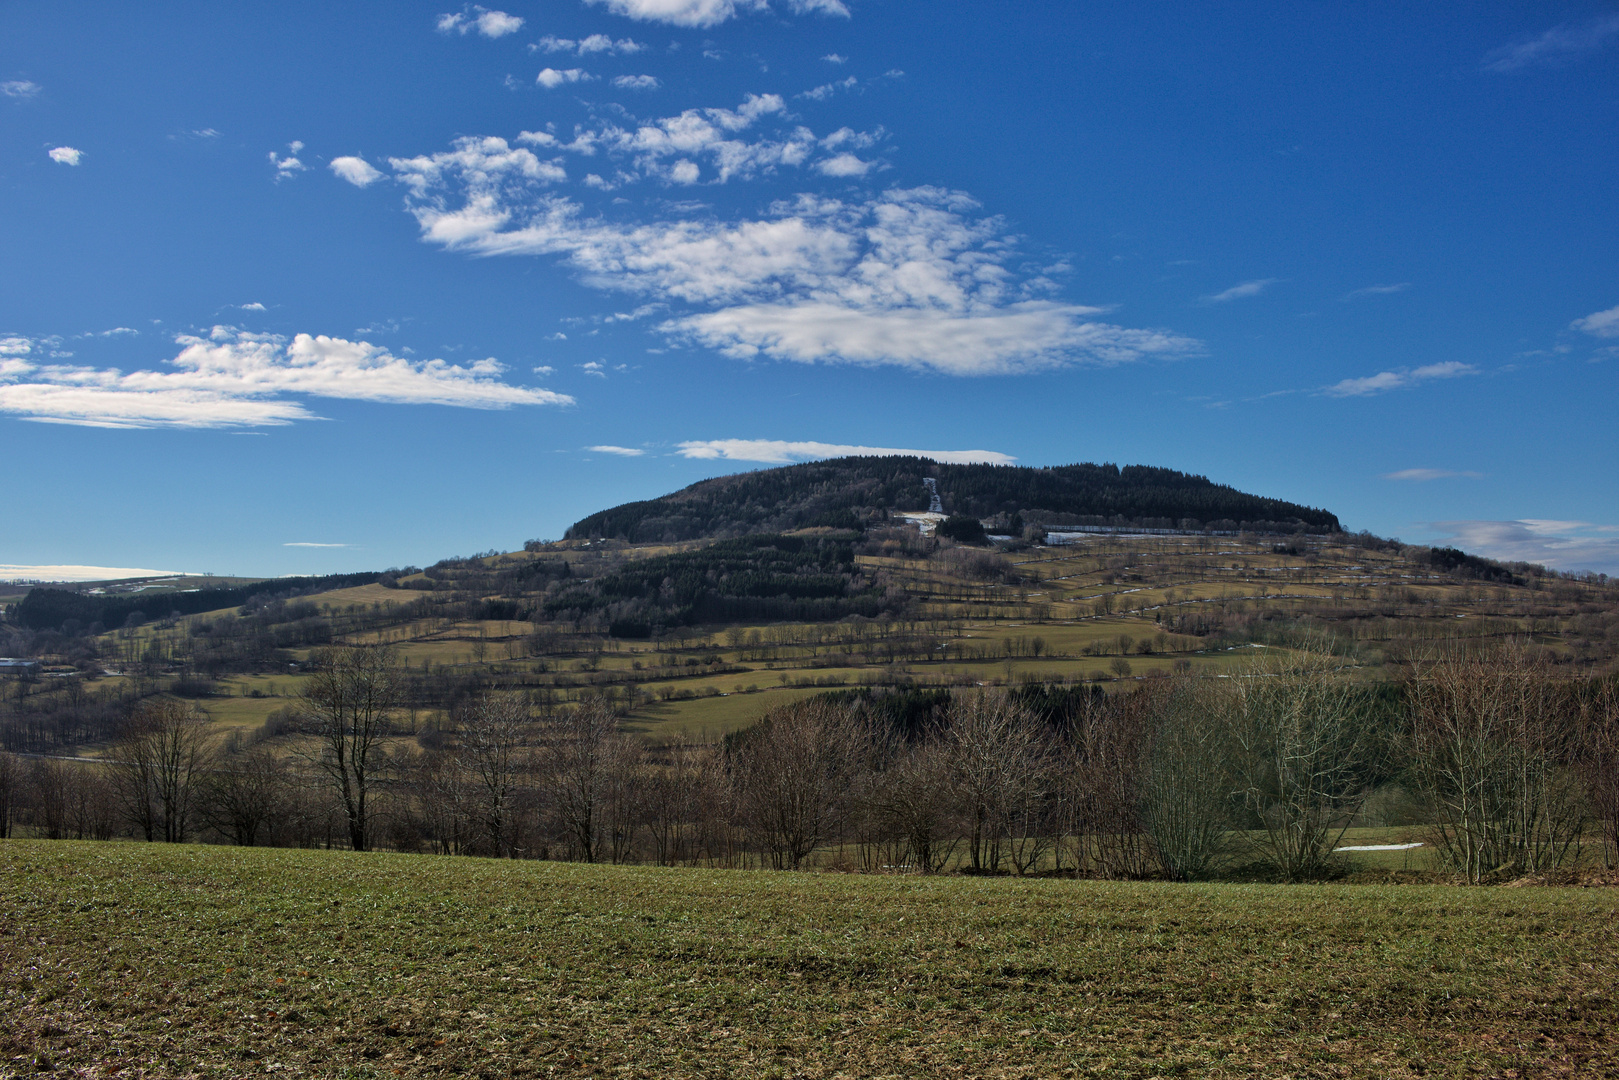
{"points": [[236, 379], [1378, 290], [621, 451], [636, 82], [778, 452], [1603, 324], [66, 155], [70, 572], [491, 24], [1562, 545], [704, 13], [311, 544], [20, 88], [1384, 381], [356, 170]]}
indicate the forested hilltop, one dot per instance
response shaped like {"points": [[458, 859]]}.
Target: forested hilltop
{"points": [[855, 491]]}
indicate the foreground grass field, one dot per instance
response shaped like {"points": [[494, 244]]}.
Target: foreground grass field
{"points": [[146, 960]]}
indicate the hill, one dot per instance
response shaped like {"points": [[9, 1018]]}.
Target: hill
{"points": [[855, 491]]}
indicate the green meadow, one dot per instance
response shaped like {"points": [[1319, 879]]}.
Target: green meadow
{"points": [[130, 959]]}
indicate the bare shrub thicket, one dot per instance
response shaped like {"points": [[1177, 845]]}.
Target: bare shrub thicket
{"points": [[1494, 746]]}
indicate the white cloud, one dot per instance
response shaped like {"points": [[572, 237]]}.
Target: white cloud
{"points": [[636, 82], [254, 306], [16, 345], [66, 155], [118, 331], [1562, 545], [312, 544], [704, 13], [551, 78], [1377, 290], [235, 379], [487, 165], [621, 451], [1602, 324], [289, 166], [910, 277], [491, 24], [595, 43], [20, 88], [826, 90], [843, 165], [356, 170], [677, 12], [1239, 292], [545, 369], [1422, 475], [69, 572], [1557, 44], [596, 368], [1384, 381], [834, 58], [779, 452], [818, 7]]}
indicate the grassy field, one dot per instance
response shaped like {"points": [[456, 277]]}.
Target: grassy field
{"points": [[135, 960]]}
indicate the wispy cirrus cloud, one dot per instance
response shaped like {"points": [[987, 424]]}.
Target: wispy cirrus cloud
{"points": [[1559, 44], [621, 451], [1376, 290], [1602, 324], [1561, 545], [1424, 475], [22, 89], [1240, 291], [1400, 379], [781, 452], [313, 544], [636, 82], [231, 378], [705, 13], [491, 24]]}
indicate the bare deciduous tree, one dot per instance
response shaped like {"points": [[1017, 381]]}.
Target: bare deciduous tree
{"points": [[793, 773], [159, 764], [245, 796], [492, 746], [575, 762], [350, 701], [1000, 759]]}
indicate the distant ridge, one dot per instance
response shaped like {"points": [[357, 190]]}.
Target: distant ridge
{"points": [[854, 492]]}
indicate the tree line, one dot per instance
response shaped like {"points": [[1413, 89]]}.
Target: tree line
{"points": [[1511, 769]]}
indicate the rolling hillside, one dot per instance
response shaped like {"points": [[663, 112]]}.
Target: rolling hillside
{"points": [[856, 491]]}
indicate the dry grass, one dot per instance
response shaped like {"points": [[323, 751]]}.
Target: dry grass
{"points": [[135, 960]]}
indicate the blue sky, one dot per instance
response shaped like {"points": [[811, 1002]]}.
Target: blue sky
{"points": [[311, 287]]}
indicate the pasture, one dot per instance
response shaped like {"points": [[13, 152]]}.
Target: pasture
{"points": [[151, 960]]}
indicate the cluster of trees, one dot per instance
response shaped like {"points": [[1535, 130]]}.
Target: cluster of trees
{"points": [[752, 579], [68, 611], [859, 490], [1510, 767]]}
